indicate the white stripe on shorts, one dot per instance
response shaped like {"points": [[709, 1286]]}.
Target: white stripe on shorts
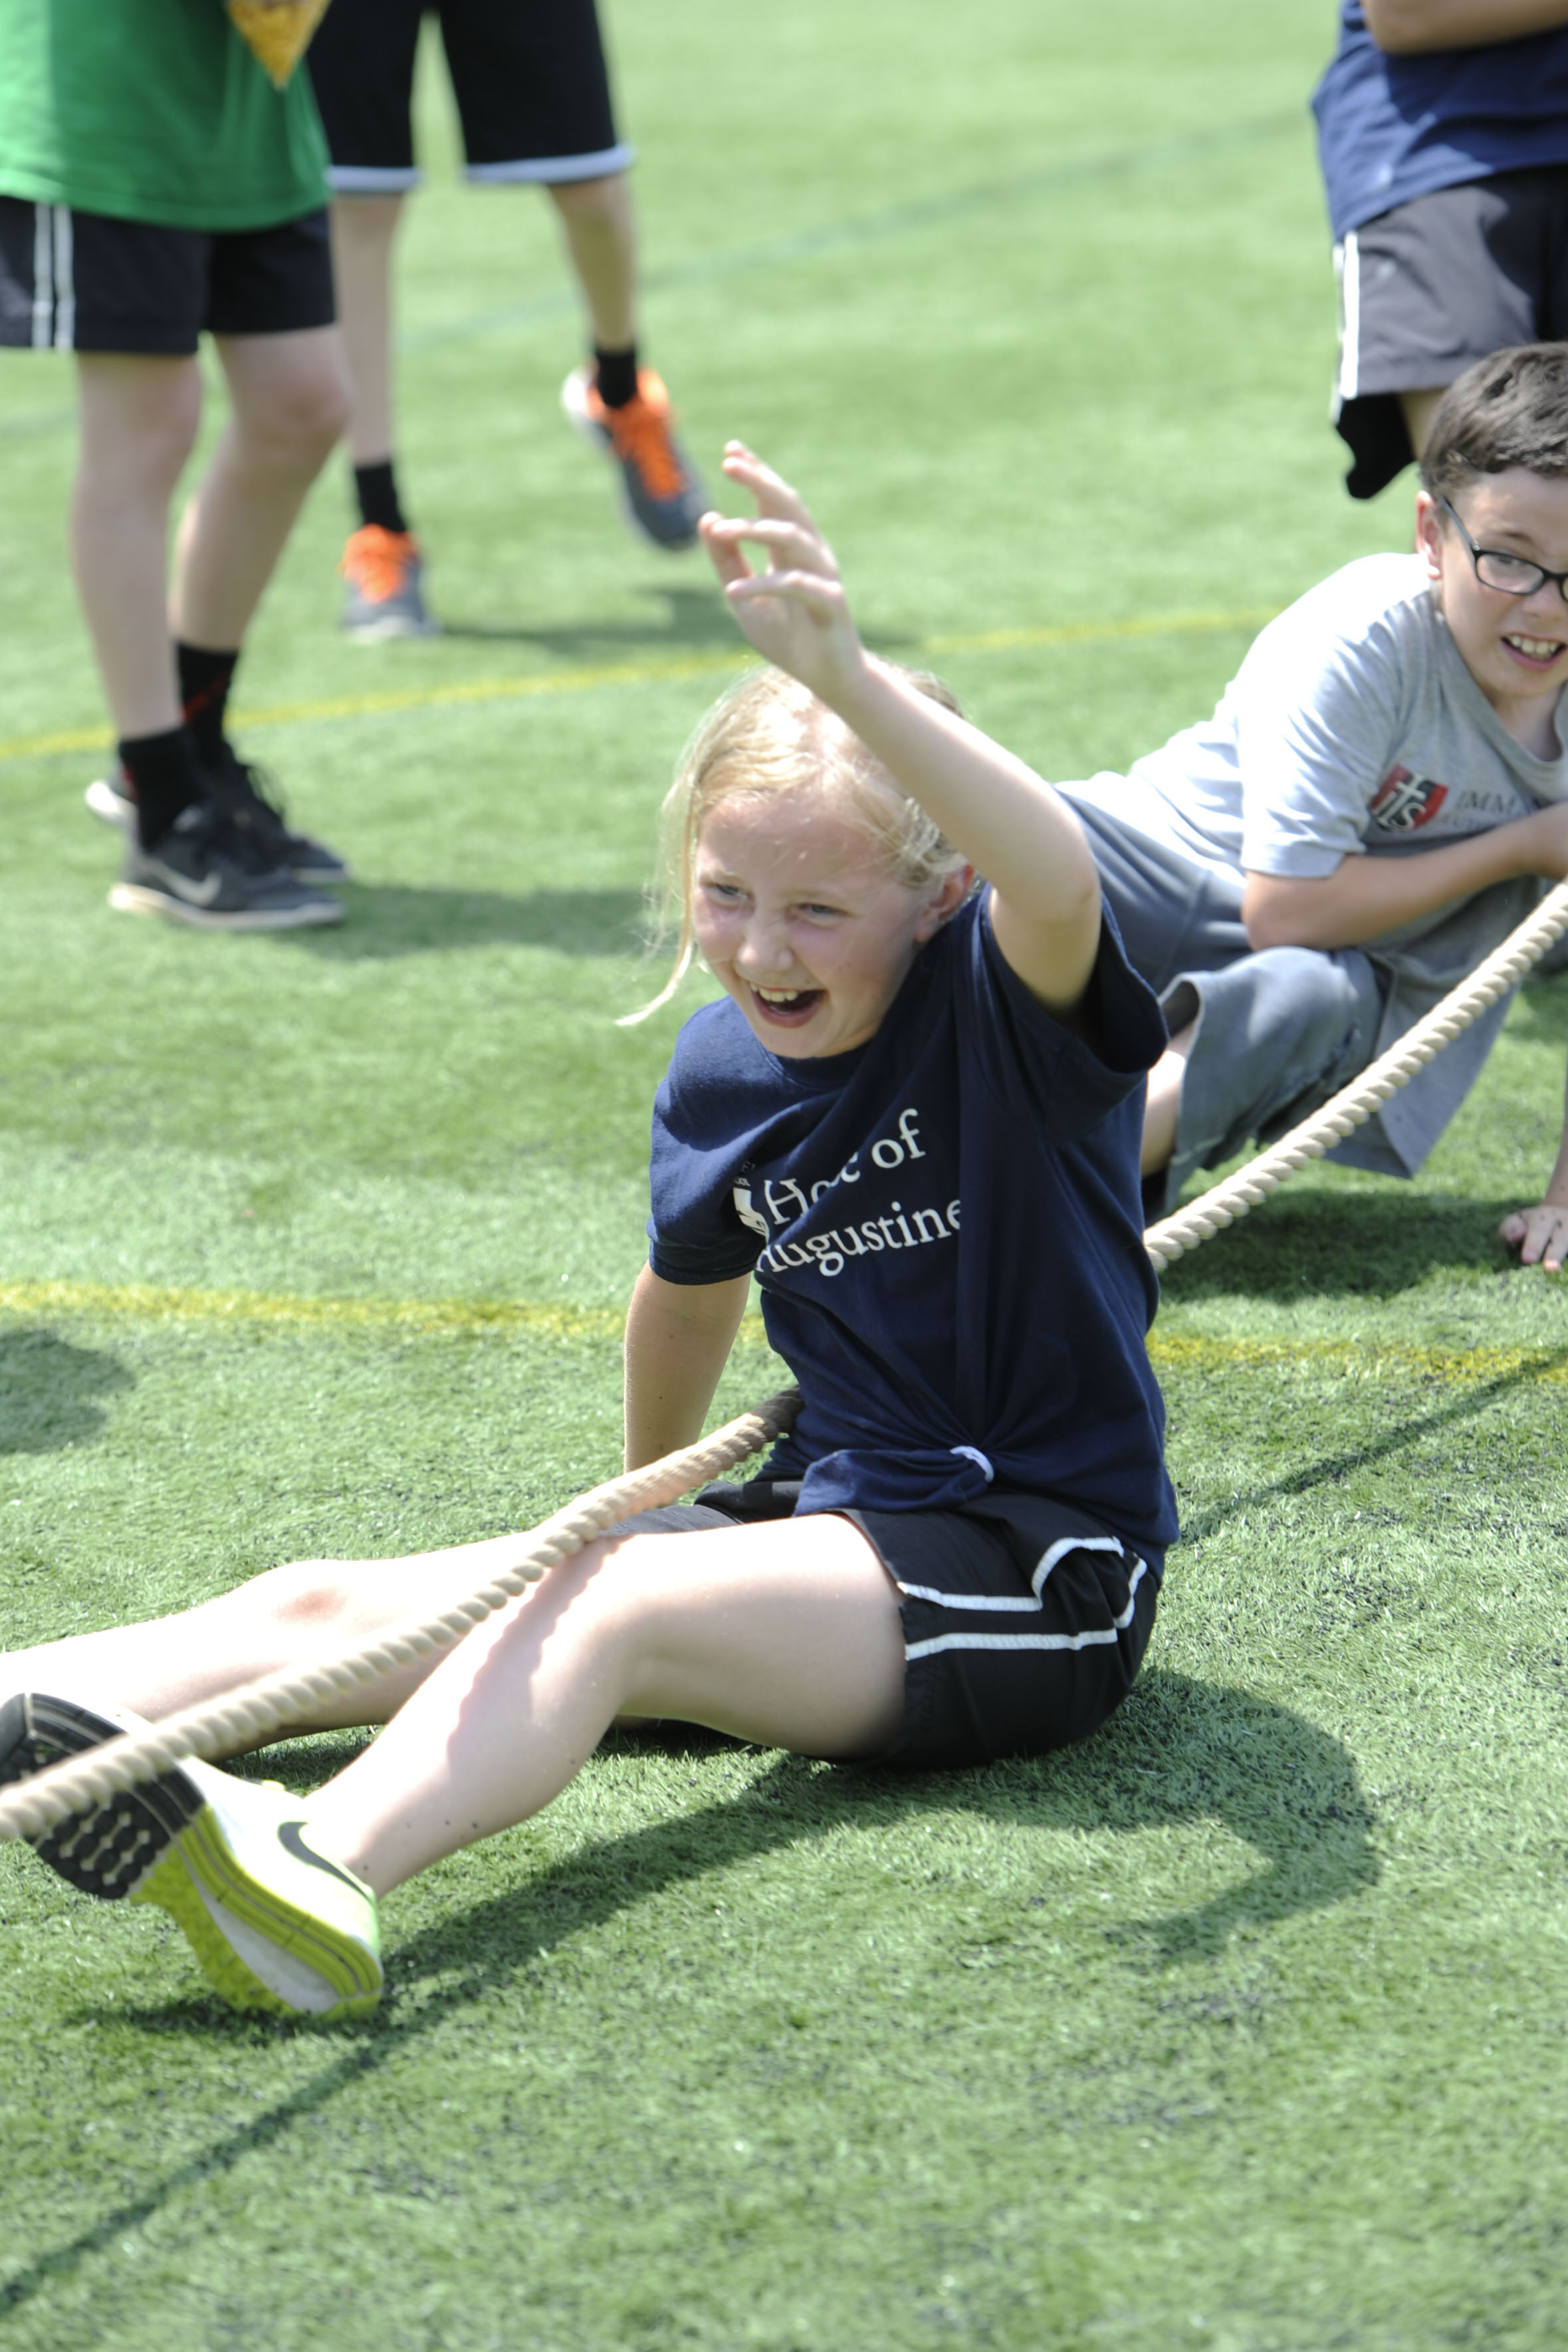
{"points": [[65, 281], [43, 278], [1095, 1639], [1047, 1562], [546, 168], [1347, 269]]}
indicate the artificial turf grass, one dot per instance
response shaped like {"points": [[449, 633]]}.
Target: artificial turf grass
{"points": [[1238, 1928], [1111, 403]]}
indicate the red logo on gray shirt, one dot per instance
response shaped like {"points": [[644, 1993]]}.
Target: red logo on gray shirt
{"points": [[1404, 803]]}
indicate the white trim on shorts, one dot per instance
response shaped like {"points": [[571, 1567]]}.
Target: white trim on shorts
{"points": [[54, 280], [1096, 1638], [371, 179], [1347, 271], [547, 168]]}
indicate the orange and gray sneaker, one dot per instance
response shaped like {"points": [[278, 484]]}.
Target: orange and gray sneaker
{"points": [[664, 498], [384, 596]]}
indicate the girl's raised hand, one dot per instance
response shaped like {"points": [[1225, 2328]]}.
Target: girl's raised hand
{"points": [[794, 611]]}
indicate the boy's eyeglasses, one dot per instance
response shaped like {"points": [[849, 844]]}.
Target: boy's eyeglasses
{"points": [[1512, 575]]}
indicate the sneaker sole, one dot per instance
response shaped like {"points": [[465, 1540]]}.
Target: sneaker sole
{"points": [[140, 898], [109, 806], [199, 1874], [106, 1852], [162, 1842], [388, 626]]}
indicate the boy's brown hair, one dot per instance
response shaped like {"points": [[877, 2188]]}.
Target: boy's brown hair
{"points": [[1508, 410]]}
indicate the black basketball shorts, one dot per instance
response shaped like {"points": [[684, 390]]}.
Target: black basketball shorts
{"points": [[74, 281], [1433, 286], [1025, 1622], [529, 79]]}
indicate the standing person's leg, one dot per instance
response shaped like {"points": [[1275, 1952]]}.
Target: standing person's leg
{"points": [[383, 565], [138, 295], [290, 405], [619, 406], [361, 65], [288, 396], [138, 419]]}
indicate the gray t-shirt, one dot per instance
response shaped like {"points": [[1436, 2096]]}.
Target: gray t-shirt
{"points": [[1351, 727], [1354, 728]]}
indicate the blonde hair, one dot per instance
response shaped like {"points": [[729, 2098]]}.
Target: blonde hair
{"points": [[766, 737]]}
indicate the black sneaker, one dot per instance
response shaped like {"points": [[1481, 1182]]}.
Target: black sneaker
{"points": [[206, 872], [237, 789], [249, 796]]}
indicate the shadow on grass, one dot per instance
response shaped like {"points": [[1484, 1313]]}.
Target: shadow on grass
{"points": [[1179, 1751], [1330, 1467], [392, 919], [695, 619], [692, 618], [1345, 1245], [49, 1392]]}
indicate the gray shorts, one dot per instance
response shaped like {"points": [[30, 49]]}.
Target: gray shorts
{"points": [[1278, 1031], [1434, 284]]}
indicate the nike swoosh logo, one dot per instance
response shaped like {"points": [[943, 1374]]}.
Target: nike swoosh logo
{"points": [[289, 1839], [196, 894]]}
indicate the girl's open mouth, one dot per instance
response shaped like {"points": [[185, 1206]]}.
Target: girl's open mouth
{"points": [[787, 1008]]}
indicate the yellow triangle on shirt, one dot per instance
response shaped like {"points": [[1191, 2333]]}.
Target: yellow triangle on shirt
{"points": [[277, 32]]}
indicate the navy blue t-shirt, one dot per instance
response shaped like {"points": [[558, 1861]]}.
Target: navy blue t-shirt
{"points": [[1390, 129], [946, 1227]]}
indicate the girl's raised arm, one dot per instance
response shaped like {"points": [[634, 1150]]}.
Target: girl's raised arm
{"points": [[1045, 899]]}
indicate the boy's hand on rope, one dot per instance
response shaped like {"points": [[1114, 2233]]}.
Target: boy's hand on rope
{"points": [[1538, 1236], [794, 611]]}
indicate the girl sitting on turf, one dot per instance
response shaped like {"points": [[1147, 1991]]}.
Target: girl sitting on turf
{"points": [[915, 1114]]}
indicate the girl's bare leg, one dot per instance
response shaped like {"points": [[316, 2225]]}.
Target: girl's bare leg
{"points": [[788, 1634], [293, 1616]]}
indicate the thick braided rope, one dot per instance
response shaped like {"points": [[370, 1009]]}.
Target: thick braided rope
{"points": [[241, 1718], [1212, 1211]]}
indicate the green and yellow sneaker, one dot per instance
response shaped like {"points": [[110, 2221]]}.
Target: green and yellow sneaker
{"points": [[274, 1925]]}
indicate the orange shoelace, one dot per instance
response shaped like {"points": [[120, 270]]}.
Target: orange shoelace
{"points": [[640, 435], [376, 561]]}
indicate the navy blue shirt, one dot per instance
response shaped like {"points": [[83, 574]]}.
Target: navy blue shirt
{"points": [[1390, 129], [946, 1228]]}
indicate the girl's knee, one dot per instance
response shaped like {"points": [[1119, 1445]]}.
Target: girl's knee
{"points": [[307, 1596]]}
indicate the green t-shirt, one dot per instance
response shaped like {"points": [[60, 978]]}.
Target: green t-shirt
{"points": [[152, 111]]}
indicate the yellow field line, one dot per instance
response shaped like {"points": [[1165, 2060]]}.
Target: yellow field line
{"points": [[585, 681], [1171, 1352]]}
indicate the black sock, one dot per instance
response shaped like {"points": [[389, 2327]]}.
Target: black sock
{"points": [[205, 679], [615, 376], [375, 486], [164, 778]]}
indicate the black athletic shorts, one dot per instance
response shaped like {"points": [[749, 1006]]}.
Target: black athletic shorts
{"points": [[74, 281], [1434, 284], [1024, 1623], [529, 79]]}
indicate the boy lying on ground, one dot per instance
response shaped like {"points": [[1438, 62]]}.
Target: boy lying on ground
{"points": [[1369, 812]]}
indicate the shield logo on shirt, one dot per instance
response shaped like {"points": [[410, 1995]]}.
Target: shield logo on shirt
{"points": [[1404, 803], [752, 1219]]}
